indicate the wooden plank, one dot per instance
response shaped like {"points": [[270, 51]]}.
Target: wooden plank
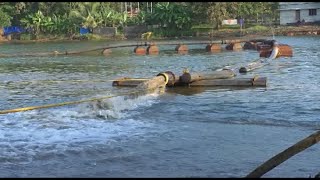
{"points": [[257, 81]]}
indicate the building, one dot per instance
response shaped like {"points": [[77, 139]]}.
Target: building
{"points": [[299, 12]]}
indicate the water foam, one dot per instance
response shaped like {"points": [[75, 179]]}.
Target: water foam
{"points": [[25, 135]]}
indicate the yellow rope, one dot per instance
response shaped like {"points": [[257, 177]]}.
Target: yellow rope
{"points": [[125, 79], [77, 102], [62, 104]]}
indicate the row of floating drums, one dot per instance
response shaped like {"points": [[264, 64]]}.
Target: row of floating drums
{"points": [[264, 48]]}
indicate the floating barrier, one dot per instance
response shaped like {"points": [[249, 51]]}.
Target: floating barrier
{"points": [[181, 48], [266, 49], [151, 48], [234, 46], [140, 50], [285, 51], [213, 48]]}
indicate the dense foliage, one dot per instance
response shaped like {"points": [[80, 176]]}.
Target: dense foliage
{"points": [[65, 18]]}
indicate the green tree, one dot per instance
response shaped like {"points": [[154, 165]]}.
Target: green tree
{"points": [[33, 22], [5, 16], [217, 11], [87, 14], [171, 15]]}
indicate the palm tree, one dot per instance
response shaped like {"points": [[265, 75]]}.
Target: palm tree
{"points": [[86, 14]]}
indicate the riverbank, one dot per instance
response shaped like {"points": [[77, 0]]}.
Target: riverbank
{"points": [[248, 33]]}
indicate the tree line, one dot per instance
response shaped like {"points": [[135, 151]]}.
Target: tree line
{"points": [[65, 18]]}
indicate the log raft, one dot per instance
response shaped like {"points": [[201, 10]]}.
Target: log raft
{"points": [[258, 81], [196, 81]]}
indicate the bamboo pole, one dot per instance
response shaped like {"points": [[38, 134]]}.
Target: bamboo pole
{"points": [[284, 155]]}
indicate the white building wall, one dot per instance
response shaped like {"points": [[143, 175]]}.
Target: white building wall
{"points": [[287, 17], [288, 11], [307, 18]]}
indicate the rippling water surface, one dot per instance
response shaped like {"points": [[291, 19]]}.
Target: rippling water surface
{"points": [[183, 132]]}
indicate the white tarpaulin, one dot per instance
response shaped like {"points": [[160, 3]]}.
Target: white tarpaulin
{"points": [[229, 22]]}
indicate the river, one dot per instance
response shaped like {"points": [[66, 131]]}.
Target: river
{"points": [[183, 132]]}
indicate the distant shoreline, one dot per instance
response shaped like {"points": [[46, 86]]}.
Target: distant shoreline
{"points": [[313, 30]]}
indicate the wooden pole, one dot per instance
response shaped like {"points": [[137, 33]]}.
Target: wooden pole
{"points": [[189, 78], [239, 82], [252, 66], [284, 155]]}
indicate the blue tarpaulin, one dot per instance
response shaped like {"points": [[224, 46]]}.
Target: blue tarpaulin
{"points": [[13, 29], [84, 31]]}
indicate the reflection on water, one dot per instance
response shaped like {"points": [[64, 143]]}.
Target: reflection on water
{"points": [[184, 132]]}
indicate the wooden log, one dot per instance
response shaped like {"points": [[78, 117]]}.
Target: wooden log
{"points": [[252, 66], [188, 77], [284, 155], [257, 81], [131, 82]]}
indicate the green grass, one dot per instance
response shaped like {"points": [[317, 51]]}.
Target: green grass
{"points": [[258, 28], [25, 36]]}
